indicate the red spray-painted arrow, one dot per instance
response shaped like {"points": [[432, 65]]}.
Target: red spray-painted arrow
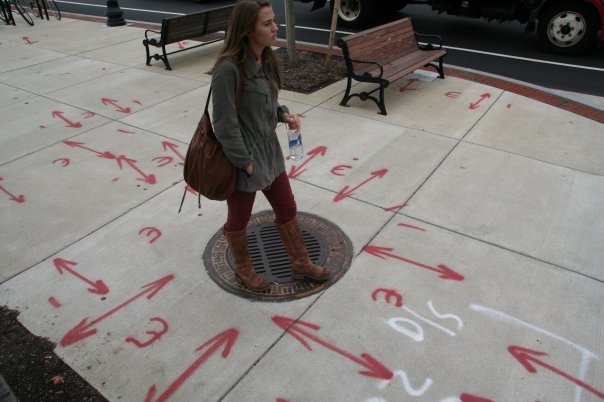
{"points": [[98, 287], [118, 108], [75, 144], [444, 271], [226, 338], [473, 398], [148, 178], [474, 105], [297, 171], [173, 147], [406, 86], [17, 198], [525, 356], [295, 328], [345, 192], [70, 123], [84, 329]]}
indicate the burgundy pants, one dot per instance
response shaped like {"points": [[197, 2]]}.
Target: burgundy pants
{"points": [[279, 195]]}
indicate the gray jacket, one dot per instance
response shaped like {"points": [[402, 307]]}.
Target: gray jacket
{"points": [[248, 134]]}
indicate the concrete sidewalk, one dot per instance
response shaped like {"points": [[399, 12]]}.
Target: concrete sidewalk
{"points": [[504, 190]]}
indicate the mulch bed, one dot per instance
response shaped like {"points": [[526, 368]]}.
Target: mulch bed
{"points": [[33, 371], [310, 74]]}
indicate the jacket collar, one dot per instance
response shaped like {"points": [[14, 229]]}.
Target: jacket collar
{"points": [[251, 68]]}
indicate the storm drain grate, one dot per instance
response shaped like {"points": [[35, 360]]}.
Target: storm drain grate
{"points": [[326, 244]]}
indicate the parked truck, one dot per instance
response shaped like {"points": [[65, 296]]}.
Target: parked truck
{"points": [[563, 26]]}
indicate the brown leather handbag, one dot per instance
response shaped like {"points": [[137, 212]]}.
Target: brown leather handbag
{"points": [[207, 170]]}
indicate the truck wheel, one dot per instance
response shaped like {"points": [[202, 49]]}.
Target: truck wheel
{"points": [[354, 13], [567, 27]]}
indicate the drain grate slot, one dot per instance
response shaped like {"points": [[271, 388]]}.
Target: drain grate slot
{"points": [[325, 243]]}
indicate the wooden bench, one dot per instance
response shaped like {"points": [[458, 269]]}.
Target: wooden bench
{"points": [[386, 53], [205, 26]]}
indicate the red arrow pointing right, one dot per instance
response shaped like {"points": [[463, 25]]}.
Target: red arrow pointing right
{"points": [[84, 329], [373, 368], [97, 287], [70, 123], [297, 171], [444, 271], [226, 338]]}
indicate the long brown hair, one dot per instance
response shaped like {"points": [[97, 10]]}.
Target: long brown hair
{"points": [[243, 20]]}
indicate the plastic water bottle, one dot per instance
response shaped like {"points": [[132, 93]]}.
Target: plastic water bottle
{"points": [[296, 152]]}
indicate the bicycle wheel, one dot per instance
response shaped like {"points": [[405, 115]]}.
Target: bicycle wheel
{"points": [[53, 8], [21, 10], [3, 12], [34, 8]]}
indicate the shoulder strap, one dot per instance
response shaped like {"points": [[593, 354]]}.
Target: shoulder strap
{"points": [[237, 101]]}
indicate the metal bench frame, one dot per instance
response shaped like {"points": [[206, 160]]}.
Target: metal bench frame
{"points": [[204, 25], [386, 53]]}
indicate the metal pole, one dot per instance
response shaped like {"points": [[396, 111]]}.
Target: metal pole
{"points": [[115, 15]]}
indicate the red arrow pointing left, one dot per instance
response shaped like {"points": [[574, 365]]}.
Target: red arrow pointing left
{"points": [[525, 356], [70, 123], [148, 178], [98, 287], [173, 147], [106, 154], [474, 105], [84, 329], [444, 271], [373, 368], [118, 108], [226, 338], [346, 192]]}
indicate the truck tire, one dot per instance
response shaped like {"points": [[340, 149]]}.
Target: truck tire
{"points": [[354, 13], [567, 27]]}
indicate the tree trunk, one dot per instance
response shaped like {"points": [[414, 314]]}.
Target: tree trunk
{"points": [[332, 32], [290, 24]]}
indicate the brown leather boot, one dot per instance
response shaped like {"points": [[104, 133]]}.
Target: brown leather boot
{"points": [[302, 266], [244, 271]]}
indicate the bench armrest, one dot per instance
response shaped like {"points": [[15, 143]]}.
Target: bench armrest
{"points": [[429, 46], [366, 74], [151, 30]]}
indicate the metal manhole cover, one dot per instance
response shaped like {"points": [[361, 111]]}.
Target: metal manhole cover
{"points": [[327, 246]]}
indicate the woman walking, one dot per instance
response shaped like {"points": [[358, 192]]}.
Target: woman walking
{"points": [[246, 129]]}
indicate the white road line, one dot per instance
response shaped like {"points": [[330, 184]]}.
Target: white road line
{"points": [[507, 56], [461, 49], [122, 8]]}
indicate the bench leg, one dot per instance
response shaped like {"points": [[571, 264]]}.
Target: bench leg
{"points": [[347, 96], [164, 58], [148, 62], [439, 68], [441, 71], [366, 95], [381, 104]]}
